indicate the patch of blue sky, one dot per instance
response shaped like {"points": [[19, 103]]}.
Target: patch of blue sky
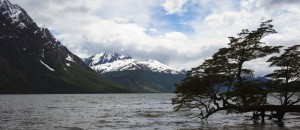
{"points": [[164, 22], [56, 35], [54, 32], [179, 22], [195, 10]]}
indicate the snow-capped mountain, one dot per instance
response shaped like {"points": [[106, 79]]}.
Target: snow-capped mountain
{"points": [[111, 62], [33, 61], [104, 57]]}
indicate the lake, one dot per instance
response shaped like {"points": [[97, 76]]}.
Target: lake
{"points": [[116, 111]]}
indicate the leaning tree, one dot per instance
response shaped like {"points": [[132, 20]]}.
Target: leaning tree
{"points": [[208, 87], [222, 82]]}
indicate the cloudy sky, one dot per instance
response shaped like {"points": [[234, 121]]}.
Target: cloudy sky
{"points": [[179, 33]]}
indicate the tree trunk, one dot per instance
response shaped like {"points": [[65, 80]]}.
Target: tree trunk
{"points": [[280, 115], [262, 114]]}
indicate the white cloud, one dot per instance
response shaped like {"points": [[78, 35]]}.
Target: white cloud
{"points": [[90, 26], [174, 6]]}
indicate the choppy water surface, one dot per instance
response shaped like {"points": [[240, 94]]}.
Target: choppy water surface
{"points": [[115, 111]]}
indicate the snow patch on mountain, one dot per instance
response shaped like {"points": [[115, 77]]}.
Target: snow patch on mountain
{"points": [[119, 65], [105, 57], [47, 66], [22, 25], [69, 58], [110, 62]]}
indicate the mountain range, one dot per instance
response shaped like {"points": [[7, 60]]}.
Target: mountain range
{"points": [[111, 62], [134, 74], [32, 60]]}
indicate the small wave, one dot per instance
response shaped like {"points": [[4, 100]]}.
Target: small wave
{"points": [[68, 128]]}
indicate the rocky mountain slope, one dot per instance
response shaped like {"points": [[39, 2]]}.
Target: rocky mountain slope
{"points": [[33, 61]]}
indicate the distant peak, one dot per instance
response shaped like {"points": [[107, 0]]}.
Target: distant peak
{"points": [[116, 55], [105, 57], [109, 62], [152, 60]]}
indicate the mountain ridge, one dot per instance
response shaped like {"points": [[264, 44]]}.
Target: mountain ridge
{"points": [[110, 62]]}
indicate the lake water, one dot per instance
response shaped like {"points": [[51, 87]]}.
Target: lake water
{"points": [[116, 111]]}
